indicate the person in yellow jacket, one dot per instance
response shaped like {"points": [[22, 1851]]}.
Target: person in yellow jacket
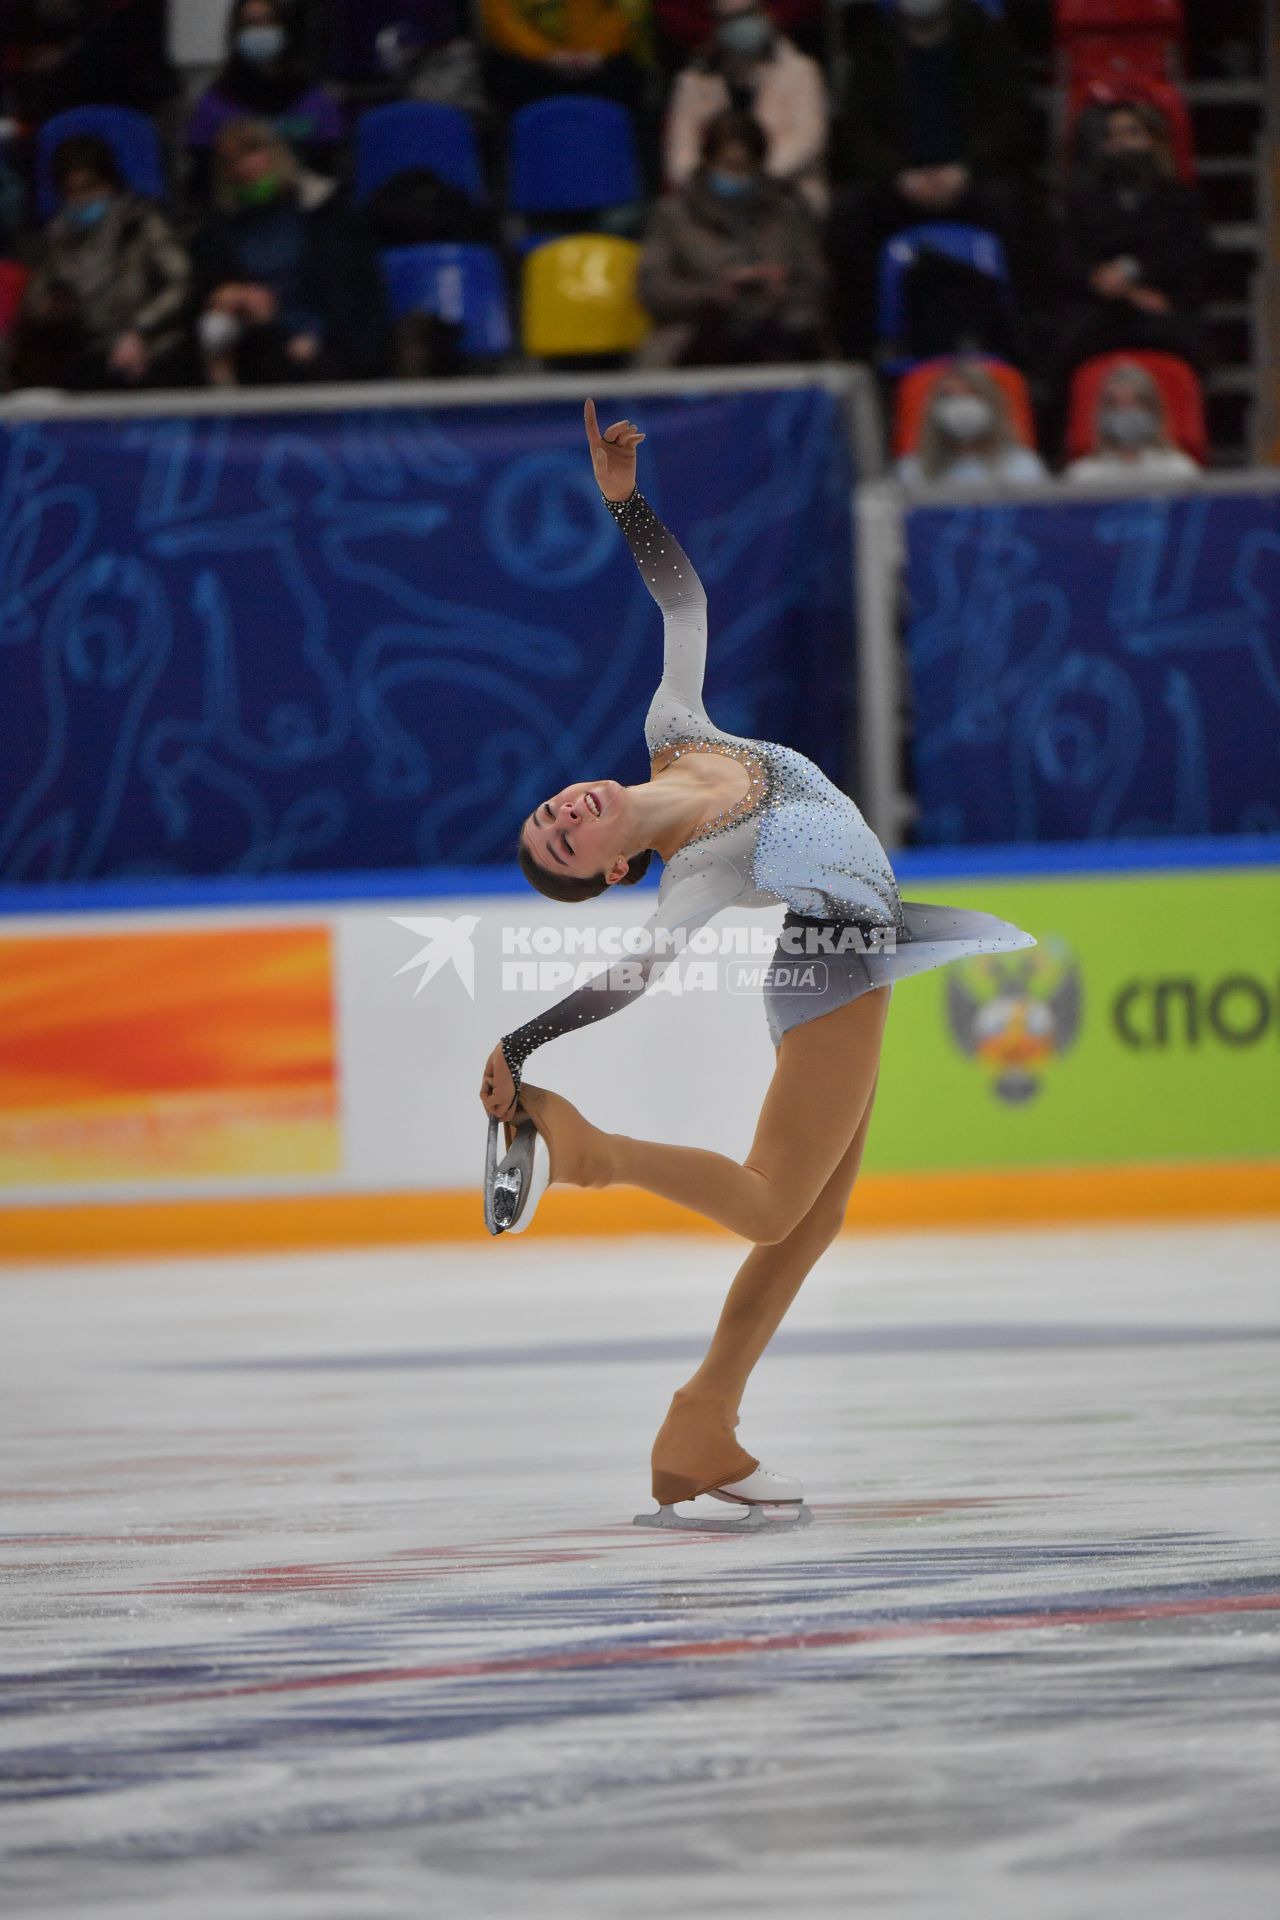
{"points": [[537, 47]]}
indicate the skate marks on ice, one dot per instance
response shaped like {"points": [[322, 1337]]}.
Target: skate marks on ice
{"points": [[295, 1641]]}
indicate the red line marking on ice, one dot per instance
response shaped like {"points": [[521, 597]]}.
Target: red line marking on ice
{"points": [[496, 1556], [587, 1659]]}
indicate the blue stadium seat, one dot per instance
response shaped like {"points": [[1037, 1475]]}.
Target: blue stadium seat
{"points": [[972, 246], [571, 154], [457, 283], [131, 136], [417, 133], [994, 7]]}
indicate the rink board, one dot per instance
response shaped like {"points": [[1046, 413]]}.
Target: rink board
{"points": [[276, 1070]]}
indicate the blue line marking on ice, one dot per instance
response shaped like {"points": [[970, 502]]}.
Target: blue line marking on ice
{"points": [[969, 1338]]}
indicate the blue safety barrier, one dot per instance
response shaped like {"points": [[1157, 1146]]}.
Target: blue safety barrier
{"points": [[274, 643], [1096, 669]]}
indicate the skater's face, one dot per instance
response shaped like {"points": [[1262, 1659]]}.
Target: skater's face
{"points": [[581, 831]]}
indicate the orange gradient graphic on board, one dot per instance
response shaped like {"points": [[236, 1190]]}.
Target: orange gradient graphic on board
{"points": [[161, 1056]]}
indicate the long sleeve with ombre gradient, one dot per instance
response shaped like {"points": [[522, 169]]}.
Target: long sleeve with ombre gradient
{"points": [[667, 571], [694, 887], [692, 892]]}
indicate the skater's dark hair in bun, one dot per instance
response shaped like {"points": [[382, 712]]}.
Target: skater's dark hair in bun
{"points": [[566, 886]]}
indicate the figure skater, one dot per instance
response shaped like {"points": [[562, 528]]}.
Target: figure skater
{"points": [[735, 821]]}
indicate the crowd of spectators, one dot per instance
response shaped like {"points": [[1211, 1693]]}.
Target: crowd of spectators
{"points": [[780, 160]]}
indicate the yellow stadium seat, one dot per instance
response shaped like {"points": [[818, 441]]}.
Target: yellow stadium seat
{"points": [[580, 297]]}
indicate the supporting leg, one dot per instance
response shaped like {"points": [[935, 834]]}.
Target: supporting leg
{"points": [[695, 1446]]}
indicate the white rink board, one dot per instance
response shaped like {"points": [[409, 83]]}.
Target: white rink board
{"points": [[409, 1062], [686, 1067]]}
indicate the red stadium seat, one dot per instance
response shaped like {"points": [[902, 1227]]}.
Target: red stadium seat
{"points": [[1104, 81], [1163, 17], [911, 401], [1180, 389], [1101, 53], [13, 283]]}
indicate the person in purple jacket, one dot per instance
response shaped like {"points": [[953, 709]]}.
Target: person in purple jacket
{"points": [[264, 78]]}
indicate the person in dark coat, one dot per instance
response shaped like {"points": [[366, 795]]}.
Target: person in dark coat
{"points": [[288, 286], [107, 303], [932, 126], [60, 54], [1133, 247], [732, 268]]}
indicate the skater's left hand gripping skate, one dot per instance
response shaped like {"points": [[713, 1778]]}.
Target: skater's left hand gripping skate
{"points": [[498, 1094]]}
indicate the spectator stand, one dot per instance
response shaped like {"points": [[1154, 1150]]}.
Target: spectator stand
{"points": [[1212, 68]]}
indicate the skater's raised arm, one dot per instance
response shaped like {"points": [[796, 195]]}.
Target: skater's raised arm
{"points": [[664, 565]]}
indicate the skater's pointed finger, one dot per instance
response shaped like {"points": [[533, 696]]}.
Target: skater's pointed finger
{"points": [[592, 426]]}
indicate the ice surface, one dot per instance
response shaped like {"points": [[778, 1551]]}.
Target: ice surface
{"points": [[319, 1596]]}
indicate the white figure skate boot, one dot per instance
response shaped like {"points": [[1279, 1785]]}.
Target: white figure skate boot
{"points": [[761, 1492]]}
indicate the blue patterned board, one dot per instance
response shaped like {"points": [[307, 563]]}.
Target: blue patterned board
{"points": [[1096, 669], [369, 640]]}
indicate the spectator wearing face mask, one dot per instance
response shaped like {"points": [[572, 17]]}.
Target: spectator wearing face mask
{"points": [[968, 438], [1131, 441], [1133, 247], [288, 286], [107, 303], [684, 26], [732, 268], [752, 67], [933, 123], [538, 47], [264, 79]]}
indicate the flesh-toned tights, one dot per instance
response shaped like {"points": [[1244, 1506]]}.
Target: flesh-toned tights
{"points": [[788, 1196]]}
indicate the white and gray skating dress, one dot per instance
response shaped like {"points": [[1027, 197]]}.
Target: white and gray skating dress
{"points": [[793, 838]]}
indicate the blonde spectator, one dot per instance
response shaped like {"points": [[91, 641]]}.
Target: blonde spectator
{"points": [[265, 77], [968, 437], [288, 286], [1131, 439], [750, 66]]}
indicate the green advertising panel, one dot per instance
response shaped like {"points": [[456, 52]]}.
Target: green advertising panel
{"points": [[1145, 1026]]}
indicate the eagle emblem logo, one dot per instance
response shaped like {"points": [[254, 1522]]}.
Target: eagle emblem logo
{"points": [[1014, 1013]]}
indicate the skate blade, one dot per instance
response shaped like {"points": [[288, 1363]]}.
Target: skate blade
{"points": [[755, 1518], [514, 1185]]}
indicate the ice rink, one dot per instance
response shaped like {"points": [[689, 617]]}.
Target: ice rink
{"points": [[321, 1596]]}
